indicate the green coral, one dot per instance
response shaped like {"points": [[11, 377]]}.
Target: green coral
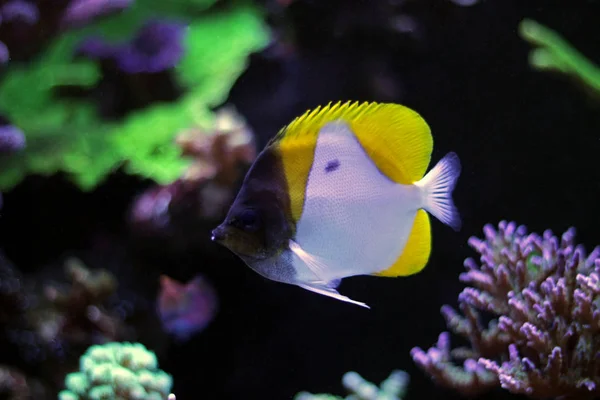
{"points": [[393, 388], [67, 135], [114, 370], [554, 53]]}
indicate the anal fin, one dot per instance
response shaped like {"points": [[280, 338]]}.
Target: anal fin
{"points": [[328, 291], [416, 252]]}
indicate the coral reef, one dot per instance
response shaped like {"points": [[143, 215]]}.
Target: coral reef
{"points": [[543, 340], [123, 141], [204, 53], [393, 388], [126, 371], [116, 85], [554, 53]]}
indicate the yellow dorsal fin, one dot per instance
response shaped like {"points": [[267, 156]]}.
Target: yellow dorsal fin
{"points": [[395, 137], [416, 252]]}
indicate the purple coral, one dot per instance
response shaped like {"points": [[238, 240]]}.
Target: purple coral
{"points": [[16, 11], [11, 139], [186, 309], [4, 53], [156, 47], [19, 10], [544, 337], [80, 12]]}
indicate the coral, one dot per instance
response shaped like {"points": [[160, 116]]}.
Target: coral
{"points": [[543, 340], [80, 12], [11, 139], [19, 10], [47, 323], [554, 53], [26, 26], [49, 320], [14, 12], [66, 134], [186, 309], [77, 313], [13, 384], [126, 371], [220, 152], [393, 388], [12, 297], [156, 47]]}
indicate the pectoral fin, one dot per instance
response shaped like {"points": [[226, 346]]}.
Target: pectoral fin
{"points": [[331, 292], [314, 263]]}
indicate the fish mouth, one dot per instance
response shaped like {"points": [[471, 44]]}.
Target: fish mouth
{"points": [[223, 236], [219, 235]]}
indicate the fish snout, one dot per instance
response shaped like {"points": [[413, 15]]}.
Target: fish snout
{"points": [[219, 234]]}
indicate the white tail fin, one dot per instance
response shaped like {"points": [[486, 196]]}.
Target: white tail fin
{"points": [[437, 187]]}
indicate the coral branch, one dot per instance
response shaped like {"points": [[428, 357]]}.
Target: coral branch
{"points": [[543, 339], [125, 371], [393, 388]]}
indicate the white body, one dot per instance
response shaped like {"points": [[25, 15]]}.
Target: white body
{"points": [[355, 220]]}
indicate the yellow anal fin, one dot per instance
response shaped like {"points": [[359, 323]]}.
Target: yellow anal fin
{"points": [[416, 252]]}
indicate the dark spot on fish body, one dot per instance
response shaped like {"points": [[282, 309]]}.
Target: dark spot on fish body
{"points": [[332, 166]]}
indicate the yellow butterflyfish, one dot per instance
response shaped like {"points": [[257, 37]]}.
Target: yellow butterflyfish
{"points": [[342, 191]]}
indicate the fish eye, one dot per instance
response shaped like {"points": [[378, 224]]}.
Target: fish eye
{"points": [[247, 220]]}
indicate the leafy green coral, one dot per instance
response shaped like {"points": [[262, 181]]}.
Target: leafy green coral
{"points": [[68, 135], [554, 53]]}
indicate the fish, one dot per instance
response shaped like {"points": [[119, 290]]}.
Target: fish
{"points": [[342, 191]]}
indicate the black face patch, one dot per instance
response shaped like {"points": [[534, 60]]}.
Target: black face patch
{"points": [[332, 166]]}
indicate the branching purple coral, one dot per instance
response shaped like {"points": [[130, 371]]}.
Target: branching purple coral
{"points": [[20, 10], [158, 46], [4, 53], [80, 12], [11, 139], [16, 11], [544, 338]]}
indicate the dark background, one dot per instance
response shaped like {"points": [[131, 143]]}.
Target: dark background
{"points": [[528, 142]]}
